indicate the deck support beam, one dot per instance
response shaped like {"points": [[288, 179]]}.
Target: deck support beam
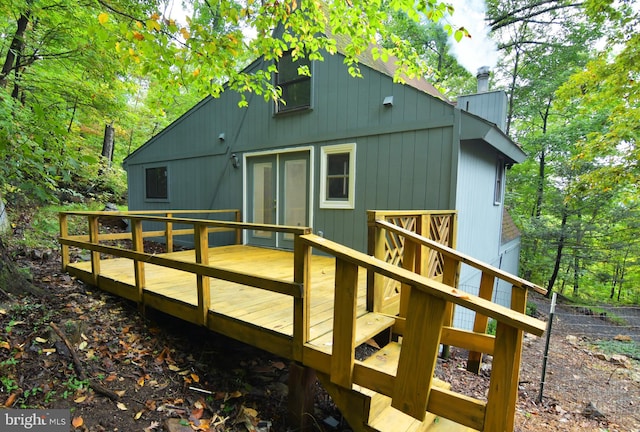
{"points": [[300, 400]]}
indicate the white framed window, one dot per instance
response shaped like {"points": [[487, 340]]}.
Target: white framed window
{"points": [[338, 176], [499, 185]]}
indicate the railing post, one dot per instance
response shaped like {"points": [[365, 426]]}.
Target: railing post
{"points": [[375, 248], [138, 266], [302, 305], [499, 416], [201, 237], [238, 230], [64, 233], [409, 262], [450, 275], [480, 323], [169, 234], [94, 234], [518, 303], [344, 323], [419, 354]]}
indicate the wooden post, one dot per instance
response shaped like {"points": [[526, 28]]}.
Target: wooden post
{"points": [[499, 417], [64, 233], [138, 266], [94, 234], [301, 396], [344, 323], [419, 354], [518, 303], [169, 234], [201, 236], [450, 275], [409, 262], [301, 306], [480, 323], [238, 230], [375, 248]]}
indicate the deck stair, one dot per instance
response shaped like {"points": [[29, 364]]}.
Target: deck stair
{"points": [[369, 411]]}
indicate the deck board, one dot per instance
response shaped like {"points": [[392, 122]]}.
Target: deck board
{"points": [[254, 306]]}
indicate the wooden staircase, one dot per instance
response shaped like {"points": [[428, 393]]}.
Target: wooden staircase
{"points": [[368, 411], [413, 290]]}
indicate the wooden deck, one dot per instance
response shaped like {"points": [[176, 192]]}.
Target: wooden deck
{"points": [[175, 292], [315, 309]]}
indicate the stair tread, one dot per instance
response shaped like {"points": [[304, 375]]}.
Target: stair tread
{"points": [[393, 419], [367, 326], [386, 360]]}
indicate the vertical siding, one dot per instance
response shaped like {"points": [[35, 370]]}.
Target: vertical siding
{"points": [[491, 106], [404, 153], [479, 220]]}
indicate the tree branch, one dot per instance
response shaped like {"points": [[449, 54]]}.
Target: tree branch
{"points": [[509, 18]]}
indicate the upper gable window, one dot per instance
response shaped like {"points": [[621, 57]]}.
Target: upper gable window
{"points": [[296, 89], [156, 184]]}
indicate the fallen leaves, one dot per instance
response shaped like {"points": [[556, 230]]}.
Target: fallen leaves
{"points": [[121, 406], [77, 422]]}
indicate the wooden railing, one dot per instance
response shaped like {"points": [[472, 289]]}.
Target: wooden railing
{"points": [[411, 387], [384, 294], [97, 243]]}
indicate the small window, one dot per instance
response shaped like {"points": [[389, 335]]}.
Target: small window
{"points": [[338, 176], [499, 185], [296, 89], [156, 184]]}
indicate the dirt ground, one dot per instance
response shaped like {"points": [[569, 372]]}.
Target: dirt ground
{"points": [[133, 373]]}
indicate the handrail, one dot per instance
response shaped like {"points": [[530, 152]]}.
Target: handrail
{"points": [[411, 388], [466, 259], [297, 288], [432, 287]]}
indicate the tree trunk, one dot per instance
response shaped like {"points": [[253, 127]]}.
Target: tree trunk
{"points": [[561, 240], [108, 143], [16, 47]]}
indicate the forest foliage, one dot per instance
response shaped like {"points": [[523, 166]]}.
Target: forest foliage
{"points": [[71, 70]]}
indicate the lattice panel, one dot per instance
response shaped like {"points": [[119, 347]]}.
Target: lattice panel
{"points": [[439, 231], [394, 250]]}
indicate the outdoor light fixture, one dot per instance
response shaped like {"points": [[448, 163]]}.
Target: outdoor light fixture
{"points": [[388, 101], [235, 162], [221, 136]]}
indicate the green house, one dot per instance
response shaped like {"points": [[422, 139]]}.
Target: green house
{"points": [[339, 146]]}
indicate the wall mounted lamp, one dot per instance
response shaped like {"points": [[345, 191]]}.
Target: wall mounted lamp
{"points": [[235, 162]]}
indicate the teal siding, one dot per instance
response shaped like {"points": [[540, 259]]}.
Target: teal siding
{"points": [[404, 153]]}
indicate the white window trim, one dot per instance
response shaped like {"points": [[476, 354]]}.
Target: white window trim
{"points": [[348, 204], [498, 190]]}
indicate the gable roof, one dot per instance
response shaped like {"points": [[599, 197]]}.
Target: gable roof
{"points": [[389, 68]]}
